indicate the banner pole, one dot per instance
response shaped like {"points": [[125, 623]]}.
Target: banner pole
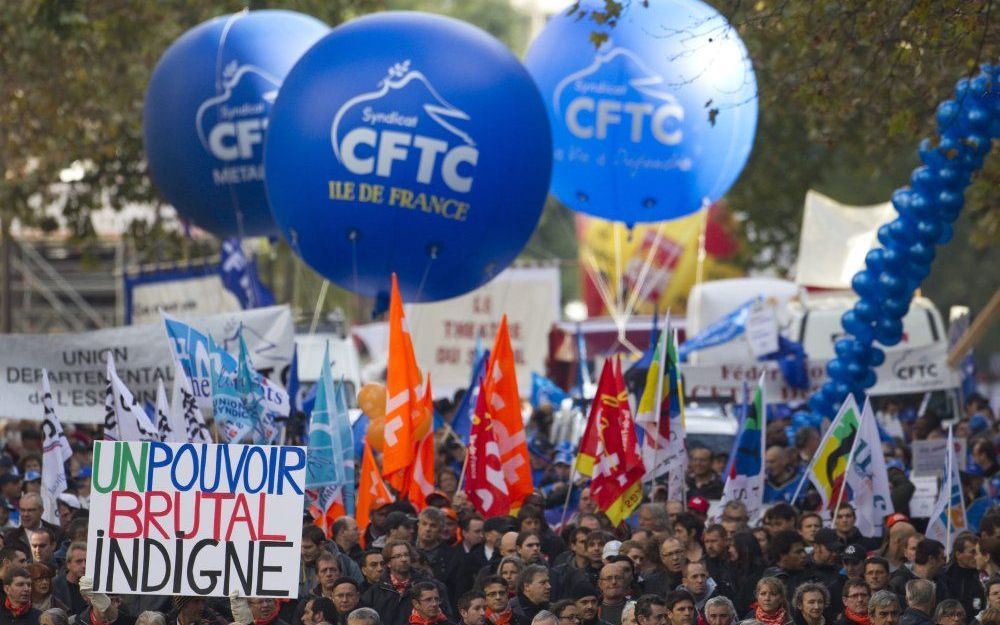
{"points": [[569, 492]]}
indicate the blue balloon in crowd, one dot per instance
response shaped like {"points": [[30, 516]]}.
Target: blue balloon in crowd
{"points": [[205, 116], [408, 143], [658, 120]]}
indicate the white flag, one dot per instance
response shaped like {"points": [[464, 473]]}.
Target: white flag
{"points": [[55, 452], [162, 412], [124, 418], [187, 424], [948, 518], [867, 477]]}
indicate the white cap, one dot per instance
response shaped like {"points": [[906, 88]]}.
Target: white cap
{"points": [[611, 548]]}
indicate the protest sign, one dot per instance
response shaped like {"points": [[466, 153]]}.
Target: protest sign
{"points": [[76, 362], [445, 333], [929, 456], [189, 291], [187, 519], [908, 370]]}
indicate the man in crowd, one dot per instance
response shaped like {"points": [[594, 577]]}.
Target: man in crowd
{"points": [[680, 608], [426, 600], [720, 611], [782, 476], [855, 598], [468, 556], [612, 584], [66, 585], [697, 582], [961, 576], [702, 480], [472, 608], [883, 608], [529, 547], [534, 591], [346, 597], [788, 552], [920, 603], [372, 566], [651, 610], [345, 536], [429, 544], [588, 603], [498, 610], [928, 564], [17, 608], [391, 597]]}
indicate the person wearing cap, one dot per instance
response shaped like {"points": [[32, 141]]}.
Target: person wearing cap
{"points": [[898, 531], [588, 601], [375, 533], [702, 480], [400, 526], [699, 506], [32, 482], [853, 558]]}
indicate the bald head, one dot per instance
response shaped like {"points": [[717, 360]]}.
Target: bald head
{"points": [[508, 544]]}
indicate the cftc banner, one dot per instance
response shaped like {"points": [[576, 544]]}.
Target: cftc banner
{"points": [[186, 519], [905, 371], [77, 361]]}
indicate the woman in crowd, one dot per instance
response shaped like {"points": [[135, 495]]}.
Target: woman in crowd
{"points": [[771, 607], [510, 569], [811, 601], [949, 612], [41, 588]]}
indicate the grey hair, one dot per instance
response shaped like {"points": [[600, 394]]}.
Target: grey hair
{"points": [[810, 587], [544, 616], [57, 616], [150, 617], [661, 520], [946, 606], [432, 514], [723, 601], [629, 609], [367, 615], [920, 592], [882, 599]]}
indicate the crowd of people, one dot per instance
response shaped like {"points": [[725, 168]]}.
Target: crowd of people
{"points": [[672, 562]]}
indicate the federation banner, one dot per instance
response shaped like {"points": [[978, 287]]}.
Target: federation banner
{"points": [[184, 519], [76, 362], [187, 291]]}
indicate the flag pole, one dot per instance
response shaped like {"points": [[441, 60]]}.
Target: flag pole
{"points": [[949, 459], [569, 492], [843, 478], [465, 464]]}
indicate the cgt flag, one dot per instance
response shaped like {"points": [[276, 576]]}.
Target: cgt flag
{"points": [[372, 492], [616, 485], [485, 483], [403, 399]]}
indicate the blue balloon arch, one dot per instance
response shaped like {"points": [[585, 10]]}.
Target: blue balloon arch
{"points": [[967, 124]]}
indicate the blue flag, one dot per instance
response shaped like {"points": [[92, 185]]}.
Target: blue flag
{"points": [[722, 331], [545, 391], [462, 423], [239, 275]]}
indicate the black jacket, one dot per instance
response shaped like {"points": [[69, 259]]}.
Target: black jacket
{"points": [[438, 559], [462, 570], [68, 594], [524, 610], [897, 584], [912, 616], [28, 618], [395, 608], [964, 585]]}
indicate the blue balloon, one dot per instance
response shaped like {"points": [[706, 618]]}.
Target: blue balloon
{"points": [[836, 369], [206, 111], [654, 123], [922, 253], [877, 357], [408, 143], [843, 347], [896, 306], [865, 282], [870, 379], [929, 230], [892, 284], [889, 331], [853, 323]]}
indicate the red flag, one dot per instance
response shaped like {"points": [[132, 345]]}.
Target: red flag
{"points": [[617, 480], [484, 482], [371, 490], [504, 405], [403, 402]]}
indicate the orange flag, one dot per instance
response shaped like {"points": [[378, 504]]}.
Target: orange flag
{"points": [[421, 481], [504, 403], [403, 402], [371, 490]]}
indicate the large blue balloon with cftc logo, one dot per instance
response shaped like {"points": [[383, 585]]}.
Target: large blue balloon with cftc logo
{"points": [[206, 111], [657, 121], [408, 143]]}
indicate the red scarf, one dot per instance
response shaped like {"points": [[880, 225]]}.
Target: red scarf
{"points": [[770, 618], [499, 618], [399, 584], [16, 610], [860, 619], [268, 620], [416, 619]]}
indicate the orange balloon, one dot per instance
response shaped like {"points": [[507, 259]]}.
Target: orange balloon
{"points": [[421, 426], [376, 433], [371, 400]]}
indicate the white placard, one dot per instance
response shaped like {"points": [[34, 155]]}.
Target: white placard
{"points": [[190, 296], [444, 333], [929, 456], [184, 519], [922, 502], [762, 329]]}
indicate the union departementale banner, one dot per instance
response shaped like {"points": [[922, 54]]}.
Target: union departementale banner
{"points": [[196, 519]]}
